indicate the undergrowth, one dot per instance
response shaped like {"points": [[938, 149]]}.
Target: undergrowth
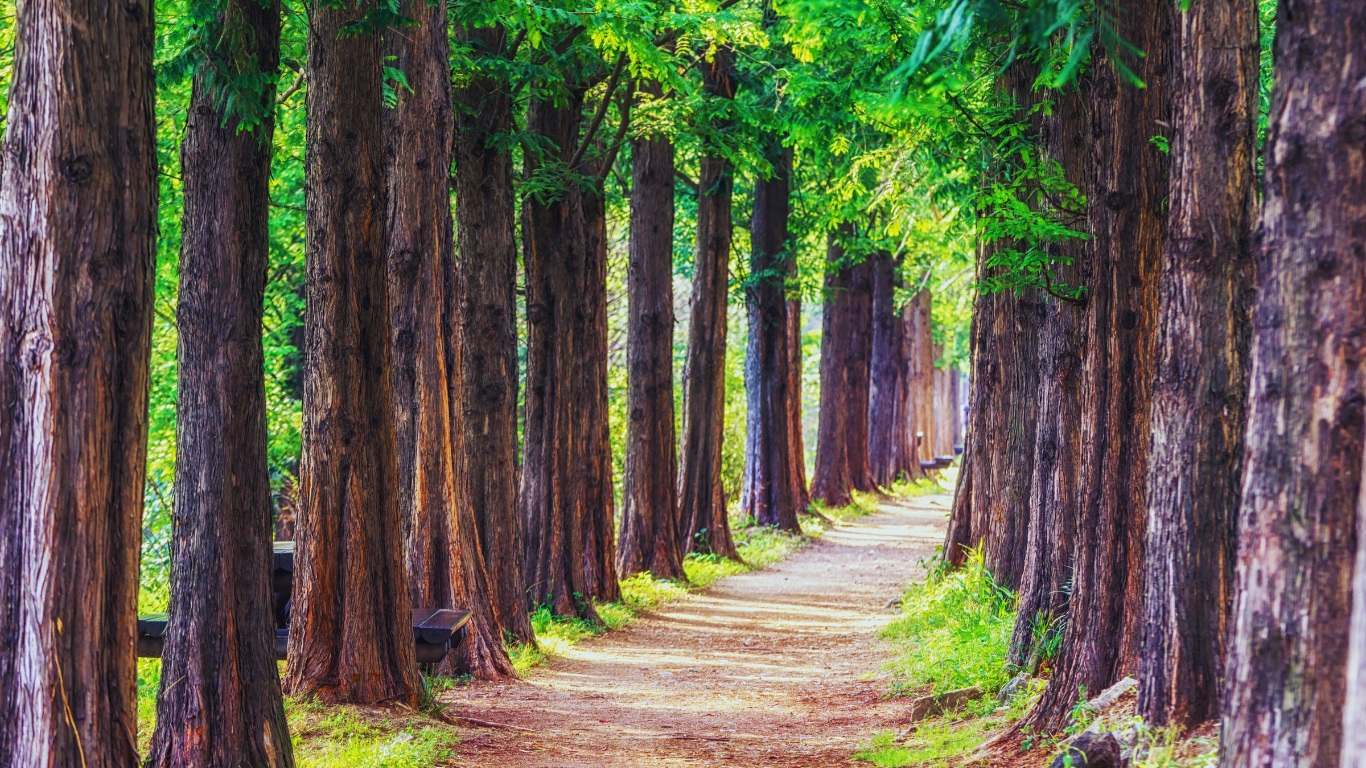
{"points": [[953, 631]]}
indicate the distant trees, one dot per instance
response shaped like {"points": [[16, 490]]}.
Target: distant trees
{"points": [[77, 250], [842, 456]]}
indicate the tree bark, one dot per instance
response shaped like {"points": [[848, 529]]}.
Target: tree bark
{"points": [[770, 493], [702, 503], [220, 704], [1054, 497], [566, 491], [350, 637], [920, 374], [888, 437], [1200, 389], [486, 216], [444, 560], [650, 528], [795, 406], [76, 271], [1286, 674], [846, 346], [1126, 188]]}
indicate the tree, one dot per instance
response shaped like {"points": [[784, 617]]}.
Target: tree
{"points": [[1054, 501], [770, 494], [702, 504], [1200, 389], [1285, 680], [77, 253], [650, 528], [444, 561], [566, 493], [888, 436], [350, 637], [487, 271], [846, 349], [220, 703], [1125, 216]]}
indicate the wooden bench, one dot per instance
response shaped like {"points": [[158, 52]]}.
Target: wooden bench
{"points": [[436, 631]]}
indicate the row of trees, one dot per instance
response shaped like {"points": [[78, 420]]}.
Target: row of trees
{"points": [[1165, 446], [411, 492]]}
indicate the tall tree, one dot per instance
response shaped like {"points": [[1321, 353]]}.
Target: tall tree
{"points": [[888, 436], [1054, 500], [76, 267], [1126, 188], [650, 530], [702, 504], [920, 373], [846, 347], [486, 215], [220, 703], [1200, 390], [350, 637], [566, 494], [1285, 680], [444, 561], [770, 494]]}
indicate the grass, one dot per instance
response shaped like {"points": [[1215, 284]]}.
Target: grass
{"points": [[759, 547], [953, 632]]}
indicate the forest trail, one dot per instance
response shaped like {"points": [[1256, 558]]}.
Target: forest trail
{"points": [[778, 667]]}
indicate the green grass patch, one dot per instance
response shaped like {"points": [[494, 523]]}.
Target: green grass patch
{"points": [[953, 632], [936, 743], [759, 547]]}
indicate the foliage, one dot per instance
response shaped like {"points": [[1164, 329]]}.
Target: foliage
{"points": [[953, 631]]}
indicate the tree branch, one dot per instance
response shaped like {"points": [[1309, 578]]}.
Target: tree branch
{"points": [[601, 113]]}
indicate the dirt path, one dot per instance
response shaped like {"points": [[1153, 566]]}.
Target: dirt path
{"points": [[778, 667]]}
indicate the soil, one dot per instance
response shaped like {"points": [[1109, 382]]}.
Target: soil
{"points": [[777, 667]]}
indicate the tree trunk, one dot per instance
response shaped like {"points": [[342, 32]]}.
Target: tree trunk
{"points": [[486, 215], [842, 444], [965, 528], [1126, 188], [795, 439], [1054, 497], [702, 503], [76, 274], [566, 491], [350, 637], [445, 564], [860, 363], [1200, 391], [1286, 675], [920, 375], [220, 703], [888, 439], [770, 494], [650, 529], [831, 484]]}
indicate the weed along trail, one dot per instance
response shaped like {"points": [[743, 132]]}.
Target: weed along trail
{"points": [[776, 667]]}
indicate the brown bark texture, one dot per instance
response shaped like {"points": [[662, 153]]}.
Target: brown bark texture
{"points": [[79, 198], [485, 212], [888, 433], [444, 561], [770, 493], [920, 374], [1054, 496], [842, 439], [702, 503], [350, 636], [1285, 679], [1126, 217], [220, 704], [566, 492], [1200, 387], [651, 536], [795, 405]]}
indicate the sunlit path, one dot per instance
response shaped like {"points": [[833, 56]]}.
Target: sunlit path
{"points": [[778, 667]]}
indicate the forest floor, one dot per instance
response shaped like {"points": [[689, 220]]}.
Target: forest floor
{"points": [[776, 667]]}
